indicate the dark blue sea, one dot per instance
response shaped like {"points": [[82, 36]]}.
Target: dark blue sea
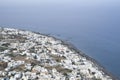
{"points": [[93, 26]]}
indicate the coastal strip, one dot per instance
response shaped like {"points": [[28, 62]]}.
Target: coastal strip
{"points": [[31, 55], [72, 47]]}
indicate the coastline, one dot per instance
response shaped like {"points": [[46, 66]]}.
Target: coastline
{"points": [[72, 47]]}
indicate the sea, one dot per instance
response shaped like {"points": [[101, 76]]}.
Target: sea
{"points": [[93, 26]]}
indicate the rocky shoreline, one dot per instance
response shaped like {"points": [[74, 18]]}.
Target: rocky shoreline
{"points": [[26, 55]]}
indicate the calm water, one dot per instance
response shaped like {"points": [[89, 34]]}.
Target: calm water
{"points": [[93, 26]]}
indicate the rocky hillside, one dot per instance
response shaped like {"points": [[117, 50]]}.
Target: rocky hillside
{"points": [[26, 55]]}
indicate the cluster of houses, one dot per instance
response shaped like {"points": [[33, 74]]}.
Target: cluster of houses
{"points": [[26, 55]]}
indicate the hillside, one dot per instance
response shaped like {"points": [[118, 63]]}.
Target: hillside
{"points": [[26, 55]]}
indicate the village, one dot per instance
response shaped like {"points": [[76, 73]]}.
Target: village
{"points": [[26, 55]]}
